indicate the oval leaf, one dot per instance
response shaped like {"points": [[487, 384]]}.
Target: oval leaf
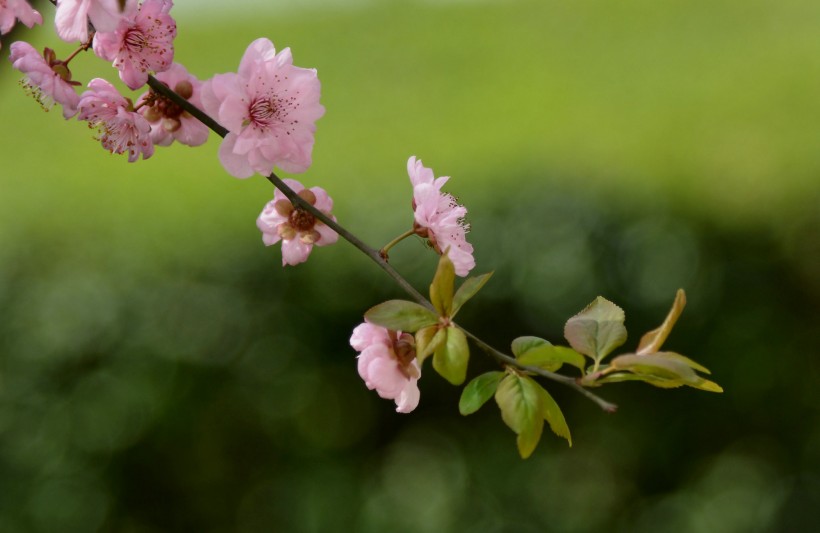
{"points": [[451, 357], [441, 290], [521, 409], [468, 289], [401, 315], [652, 341], [552, 413], [552, 358], [478, 391], [655, 366], [522, 345], [597, 330]]}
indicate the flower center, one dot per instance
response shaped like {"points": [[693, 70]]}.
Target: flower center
{"points": [[135, 40], [301, 220], [261, 112]]}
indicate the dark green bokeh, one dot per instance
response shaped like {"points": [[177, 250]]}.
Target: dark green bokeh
{"points": [[159, 370]]}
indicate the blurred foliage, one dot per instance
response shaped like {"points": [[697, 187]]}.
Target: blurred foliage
{"points": [[159, 370]]}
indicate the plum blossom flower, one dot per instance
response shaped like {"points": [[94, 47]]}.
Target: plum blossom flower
{"points": [[270, 108], [73, 16], [439, 218], [121, 129], [11, 10], [298, 230], [47, 79], [168, 121], [387, 363], [143, 41]]}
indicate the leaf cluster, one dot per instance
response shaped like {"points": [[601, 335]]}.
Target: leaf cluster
{"points": [[525, 405]]}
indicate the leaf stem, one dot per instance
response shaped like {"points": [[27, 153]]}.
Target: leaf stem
{"points": [[374, 254]]}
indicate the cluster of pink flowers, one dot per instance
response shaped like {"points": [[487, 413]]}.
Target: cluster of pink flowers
{"points": [[269, 108]]}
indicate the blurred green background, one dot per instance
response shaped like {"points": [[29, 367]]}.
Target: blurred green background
{"points": [[160, 371]]}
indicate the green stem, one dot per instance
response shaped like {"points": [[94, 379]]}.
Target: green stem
{"points": [[374, 254], [383, 252]]}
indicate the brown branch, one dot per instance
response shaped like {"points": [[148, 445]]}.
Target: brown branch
{"points": [[374, 254]]}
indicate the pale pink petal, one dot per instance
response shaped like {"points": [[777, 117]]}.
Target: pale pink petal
{"points": [[295, 251], [384, 376], [366, 334], [409, 397], [326, 235], [13, 10], [236, 165]]}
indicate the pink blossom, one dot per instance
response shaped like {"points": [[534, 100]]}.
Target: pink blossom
{"points": [[11, 10], [270, 108], [168, 121], [439, 217], [73, 16], [143, 41], [47, 79], [298, 230], [387, 363], [121, 129]]}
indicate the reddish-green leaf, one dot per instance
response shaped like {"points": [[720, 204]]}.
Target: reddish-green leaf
{"points": [[451, 356], [401, 315], [652, 341], [597, 330], [467, 290], [441, 290], [478, 391]]}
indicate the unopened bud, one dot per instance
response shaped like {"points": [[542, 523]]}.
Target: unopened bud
{"points": [[184, 88], [308, 196], [283, 207], [151, 114]]}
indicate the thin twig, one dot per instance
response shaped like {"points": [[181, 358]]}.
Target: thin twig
{"points": [[374, 254]]}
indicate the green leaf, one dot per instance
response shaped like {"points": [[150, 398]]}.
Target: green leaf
{"points": [[401, 315], [427, 340], [478, 391], [552, 358], [467, 290], [685, 360], [705, 384], [597, 330], [652, 380], [522, 411], [652, 341], [451, 357], [553, 414], [441, 290], [522, 345], [656, 366]]}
